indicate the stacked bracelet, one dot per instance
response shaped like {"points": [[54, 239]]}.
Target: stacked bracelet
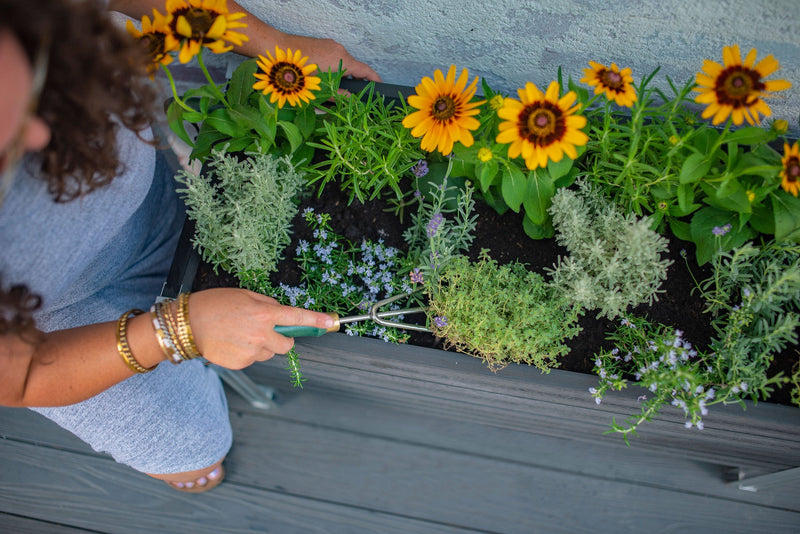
{"points": [[173, 331], [124, 348]]}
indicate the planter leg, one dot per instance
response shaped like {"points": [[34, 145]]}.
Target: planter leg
{"points": [[260, 397], [763, 482]]}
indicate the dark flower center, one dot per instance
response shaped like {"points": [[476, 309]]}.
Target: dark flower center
{"points": [[286, 77], [612, 80], [738, 87], [793, 170], [200, 20], [542, 123], [155, 42], [444, 108]]}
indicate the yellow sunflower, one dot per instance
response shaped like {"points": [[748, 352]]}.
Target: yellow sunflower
{"points": [[541, 126], [445, 115], [790, 174], [616, 84], [738, 87], [286, 77], [197, 23], [154, 35]]}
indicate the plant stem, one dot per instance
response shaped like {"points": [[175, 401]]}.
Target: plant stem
{"points": [[180, 102], [211, 82]]}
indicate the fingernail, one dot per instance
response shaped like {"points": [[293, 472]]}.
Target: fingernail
{"points": [[202, 481], [214, 475]]}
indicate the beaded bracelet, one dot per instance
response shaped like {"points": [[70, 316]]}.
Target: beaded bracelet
{"points": [[124, 348], [164, 333]]}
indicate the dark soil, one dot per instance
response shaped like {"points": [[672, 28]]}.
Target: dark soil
{"points": [[678, 306]]}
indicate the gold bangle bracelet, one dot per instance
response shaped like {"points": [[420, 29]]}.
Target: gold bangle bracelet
{"points": [[184, 328], [124, 348]]}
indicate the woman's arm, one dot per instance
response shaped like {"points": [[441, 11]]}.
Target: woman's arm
{"points": [[232, 328], [326, 53]]}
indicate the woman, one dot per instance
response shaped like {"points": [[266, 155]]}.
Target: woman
{"points": [[88, 225]]}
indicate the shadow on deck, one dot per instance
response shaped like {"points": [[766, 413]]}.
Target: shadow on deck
{"points": [[386, 440]]}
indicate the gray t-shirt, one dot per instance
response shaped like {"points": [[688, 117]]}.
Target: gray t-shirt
{"points": [[55, 248]]}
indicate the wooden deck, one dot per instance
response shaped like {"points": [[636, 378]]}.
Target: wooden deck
{"points": [[385, 439]]}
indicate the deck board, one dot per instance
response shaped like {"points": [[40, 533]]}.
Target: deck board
{"points": [[389, 443]]}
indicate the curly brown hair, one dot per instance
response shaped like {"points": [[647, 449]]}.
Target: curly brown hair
{"points": [[96, 82]]}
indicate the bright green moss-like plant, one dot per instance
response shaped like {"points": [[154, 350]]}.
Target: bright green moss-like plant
{"points": [[614, 259], [243, 212], [501, 313]]}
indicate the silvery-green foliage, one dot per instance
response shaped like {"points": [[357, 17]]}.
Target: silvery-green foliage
{"points": [[614, 259], [754, 296], [438, 232], [243, 211]]}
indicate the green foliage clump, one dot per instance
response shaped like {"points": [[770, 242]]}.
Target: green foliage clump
{"points": [[614, 259], [441, 229], [366, 147], [501, 313], [754, 297], [243, 211]]}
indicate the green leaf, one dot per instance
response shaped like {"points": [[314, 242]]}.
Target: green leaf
{"points": [[763, 220], [240, 86], [681, 229], [560, 168], [175, 121], [702, 232], [694, 168], [486, 173], [729, 195], [513, 187], [306, 121], [787, 216], [686, 198], [748, 136], [539, 196], [293, 134], [204, 91], [535, 231], [220, 120], [495, 202]]}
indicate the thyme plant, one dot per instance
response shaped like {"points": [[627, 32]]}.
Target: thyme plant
{"points": [[501, 313], [614, 259], [243, 211]]}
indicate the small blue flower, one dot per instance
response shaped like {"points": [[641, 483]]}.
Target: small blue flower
{"points": [[440, 321], [721, 230]]}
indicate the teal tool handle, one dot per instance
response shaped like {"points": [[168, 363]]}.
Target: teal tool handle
{"points": [[300, 331]]}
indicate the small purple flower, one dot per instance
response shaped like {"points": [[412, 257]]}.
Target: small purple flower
{"points": [[435, 222], [440, 321], [721, 230], [416, 276], [420, 169]]}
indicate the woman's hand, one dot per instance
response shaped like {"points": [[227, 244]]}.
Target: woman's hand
{"points": [[234, 328], [327, 53]]}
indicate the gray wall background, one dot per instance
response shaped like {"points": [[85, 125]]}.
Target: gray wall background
{"points": [[511, 42]]}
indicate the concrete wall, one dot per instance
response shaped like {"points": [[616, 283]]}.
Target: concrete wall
{"points": [[511, 42]]}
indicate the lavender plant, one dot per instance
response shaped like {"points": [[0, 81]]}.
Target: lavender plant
{"points": [[340, 277], [501, 313], [438, 233], [243, 211], [614, 259]]}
